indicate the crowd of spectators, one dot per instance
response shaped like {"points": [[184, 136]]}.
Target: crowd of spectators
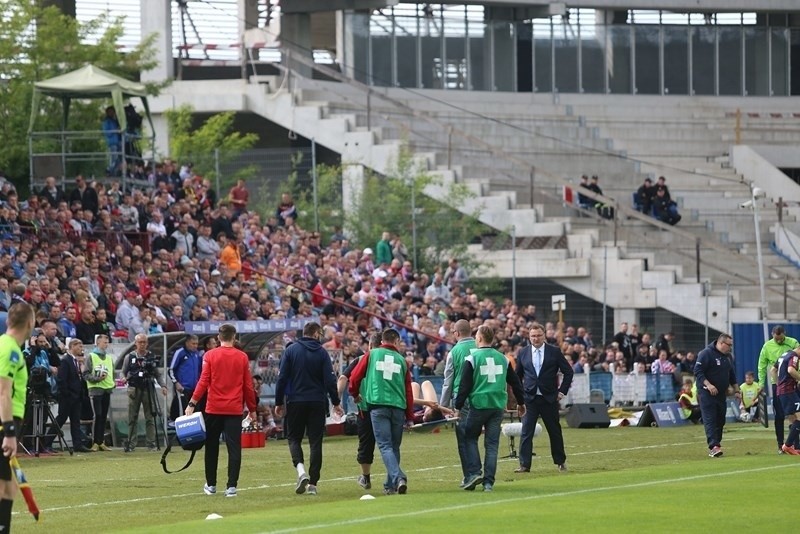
{"points": [[97, 259]]}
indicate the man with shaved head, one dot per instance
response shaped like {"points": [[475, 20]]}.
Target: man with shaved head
{"points": [[465, 344]]}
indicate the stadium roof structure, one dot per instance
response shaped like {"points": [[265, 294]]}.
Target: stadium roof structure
{"points": [[89, 82]]}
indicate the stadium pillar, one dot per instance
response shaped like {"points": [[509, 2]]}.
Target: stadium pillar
{"points": [[353, 181], [625, 315], [296, 37], [157, 19]]}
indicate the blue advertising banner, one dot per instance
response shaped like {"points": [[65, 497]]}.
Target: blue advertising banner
{"points": [[662, 414], [248, 327]]}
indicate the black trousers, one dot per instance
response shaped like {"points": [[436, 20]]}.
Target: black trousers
{"points": [[186, 396], [549, 414], [366, 439], [231, 425], [779, 418], [714, 408], [306, 418], [68, 409], [100, 404]]}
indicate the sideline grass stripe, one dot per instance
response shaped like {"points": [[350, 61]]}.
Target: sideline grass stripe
{"points": [[454, 508], [377, 475]]}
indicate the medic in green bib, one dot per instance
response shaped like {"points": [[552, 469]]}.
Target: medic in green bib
{"points": [[387, 392], [772, 350]]}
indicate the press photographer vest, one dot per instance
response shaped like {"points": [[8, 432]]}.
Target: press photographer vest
{"points": [[136, 368], [100, 364]]}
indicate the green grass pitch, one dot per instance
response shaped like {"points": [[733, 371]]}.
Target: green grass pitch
{"points": [[619, 480]]}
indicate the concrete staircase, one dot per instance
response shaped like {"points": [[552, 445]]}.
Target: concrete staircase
{"points": [[518, 156]]}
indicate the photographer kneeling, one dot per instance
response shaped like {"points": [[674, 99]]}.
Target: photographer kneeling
{"points": [[139, 370]]}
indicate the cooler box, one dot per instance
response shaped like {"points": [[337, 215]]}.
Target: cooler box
{"points": [[190, 429]]}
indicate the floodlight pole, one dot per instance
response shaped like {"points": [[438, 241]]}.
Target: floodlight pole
{"points": [[760, 257]]}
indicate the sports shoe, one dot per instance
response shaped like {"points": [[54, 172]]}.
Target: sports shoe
{"points": [[473, 482], [311, 490], [788, 449], [715, 452], [302, 484], [780, 450], [230, 492], [95, 447], [487, 487], [104, 447], [562, 468], [129, 448], [389, 491], [152, 449], [402, 486], [364, 481], [209, 490]]}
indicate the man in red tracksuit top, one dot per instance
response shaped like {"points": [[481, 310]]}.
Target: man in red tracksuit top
{"points": [[226, 378]]}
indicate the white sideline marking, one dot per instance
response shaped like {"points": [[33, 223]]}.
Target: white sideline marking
{"points": [[528, 498], [347, 478]]}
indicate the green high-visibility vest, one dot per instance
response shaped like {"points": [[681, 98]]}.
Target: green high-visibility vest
{"points": [[385, 381], [489, 370]]}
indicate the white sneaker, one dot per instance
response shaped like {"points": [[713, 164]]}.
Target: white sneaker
{"points": [[209, 490], [230, 492], [311, 489]]}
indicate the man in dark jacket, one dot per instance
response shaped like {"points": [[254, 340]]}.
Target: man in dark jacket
{"points": [[70, 396], [305, 381], [714, 373], [664, 209]]}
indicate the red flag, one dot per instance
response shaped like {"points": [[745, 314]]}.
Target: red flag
{"points": [[25, 488]]}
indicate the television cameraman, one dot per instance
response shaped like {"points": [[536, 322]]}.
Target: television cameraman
{"points": [[139, 370], [42, 367]]}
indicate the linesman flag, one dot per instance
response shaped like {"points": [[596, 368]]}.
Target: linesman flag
{"points": [[25, 488]]}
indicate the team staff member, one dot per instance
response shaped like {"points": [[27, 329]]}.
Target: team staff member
{"points": [[537, 368], [484, 380], [452, 380], [184, 371], [366, 439], [13, 389], [788, 378], [772, 350], [70, 396], [228, 384], [227, 381], [714, 373], [387, 393], [305, 381], [98, 370]]}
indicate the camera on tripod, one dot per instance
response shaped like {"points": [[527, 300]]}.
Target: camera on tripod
{"points": [[39, 384]]}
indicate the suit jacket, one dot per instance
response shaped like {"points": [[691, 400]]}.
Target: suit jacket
{"points": [[70, 382], [547, 379]]}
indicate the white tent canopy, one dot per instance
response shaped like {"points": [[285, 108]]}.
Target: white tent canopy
{"points": [[89, 82]]}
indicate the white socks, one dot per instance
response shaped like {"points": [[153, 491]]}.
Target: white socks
{"points": [[301, 469]]}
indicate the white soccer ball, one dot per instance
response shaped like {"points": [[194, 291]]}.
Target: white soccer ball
{"points": [[100, 371], [745, 417]]}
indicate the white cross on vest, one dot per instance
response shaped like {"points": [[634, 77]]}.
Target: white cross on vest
{"points": [[388, 367], [491, 371]]}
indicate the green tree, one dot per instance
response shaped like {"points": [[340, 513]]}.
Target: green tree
{"points": [[442, 232], [199, 144], [39, 43]]}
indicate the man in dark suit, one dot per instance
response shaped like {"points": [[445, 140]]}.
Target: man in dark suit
{"points": [[537, 367], [70, 396]]}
